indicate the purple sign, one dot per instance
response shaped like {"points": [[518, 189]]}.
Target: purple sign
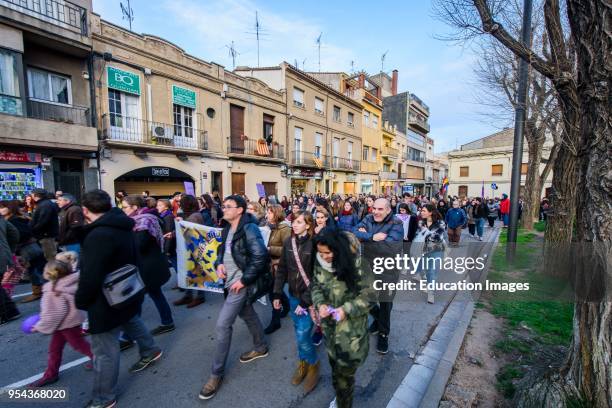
{"points": [[189, 188], [261, 190]]}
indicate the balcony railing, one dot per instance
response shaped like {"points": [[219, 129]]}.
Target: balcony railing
{"points": [[134, 130], [388, 175], [420, 123], [309, 159], [389, 152], [74, 115], [369, 167], [345, 164], [60, 13], [419, 102], [256, 148]]}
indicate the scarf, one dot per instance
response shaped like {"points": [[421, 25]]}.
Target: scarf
{"points": [[166, 212], [349, 212], [149, 223], [325, 265]]}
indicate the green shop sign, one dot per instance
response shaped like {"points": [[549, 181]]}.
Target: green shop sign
{"points": [[183, 97], [123, 81]]}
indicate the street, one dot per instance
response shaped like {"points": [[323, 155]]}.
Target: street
{"points": [[177, 378]]}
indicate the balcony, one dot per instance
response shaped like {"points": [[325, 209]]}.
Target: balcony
{"points": [[56, 13], [72, 115], [256, 148], [389, 152], [369, 167], [415, 100], [341, 163], [309, 159], [388, 175], [127, 131], [419, 123]]}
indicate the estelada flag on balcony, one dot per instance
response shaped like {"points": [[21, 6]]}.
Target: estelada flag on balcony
{"points": [[318, 162], [262, 148]]}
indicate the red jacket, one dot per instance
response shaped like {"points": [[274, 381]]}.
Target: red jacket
{"points": [[504, 206]]}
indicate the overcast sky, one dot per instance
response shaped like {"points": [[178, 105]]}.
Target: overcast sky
{"points": [[353, 31]]}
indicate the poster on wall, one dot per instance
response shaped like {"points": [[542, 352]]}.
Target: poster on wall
{"points": [[196, 249], [16, 184]]}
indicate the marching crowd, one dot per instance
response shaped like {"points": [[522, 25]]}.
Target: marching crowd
{"points": [[311, 269]]}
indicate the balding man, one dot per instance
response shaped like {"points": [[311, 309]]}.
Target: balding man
{"points": [[381, 226]]}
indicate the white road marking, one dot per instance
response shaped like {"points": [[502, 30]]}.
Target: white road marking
{"points": [[21, 295], [33, 378]]}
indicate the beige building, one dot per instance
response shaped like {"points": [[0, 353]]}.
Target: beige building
{"points": [[323, 133], [436, 169], [486, 162], [47, 127], [172, 122]]}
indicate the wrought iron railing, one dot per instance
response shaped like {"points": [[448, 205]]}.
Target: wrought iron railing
{"points": [[56, 12], [256, 148], [345, 164], [302, 158], [75, 115], [389, 151]]}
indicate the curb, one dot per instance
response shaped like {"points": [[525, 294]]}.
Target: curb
{"points": [[425, 382]]}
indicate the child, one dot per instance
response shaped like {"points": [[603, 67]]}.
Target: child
{"points": [[59, 315]]}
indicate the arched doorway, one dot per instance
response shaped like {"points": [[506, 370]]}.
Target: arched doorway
{"points": [[157, 180]]}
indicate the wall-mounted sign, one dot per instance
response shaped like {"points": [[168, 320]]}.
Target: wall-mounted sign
{"points": [[21, 157], [123, 81], [494, 186], [183, 97], [160, 171], [304, 173]]}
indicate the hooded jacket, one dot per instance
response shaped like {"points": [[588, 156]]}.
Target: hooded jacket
{"points": [[108, 244], [57, 308]]}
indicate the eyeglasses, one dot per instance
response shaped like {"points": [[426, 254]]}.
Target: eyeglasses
{"points": [[226, 207]]}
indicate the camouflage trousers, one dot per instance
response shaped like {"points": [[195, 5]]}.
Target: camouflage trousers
{"points": [[343, 379]]}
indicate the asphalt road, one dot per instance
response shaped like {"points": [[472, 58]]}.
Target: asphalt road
{"points": [[176, 379]]}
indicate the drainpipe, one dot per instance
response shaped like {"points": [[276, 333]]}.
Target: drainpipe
{"points": [[93, 111]]}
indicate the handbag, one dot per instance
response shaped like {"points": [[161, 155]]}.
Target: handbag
{"points": [[314, 314], [123, 286]]}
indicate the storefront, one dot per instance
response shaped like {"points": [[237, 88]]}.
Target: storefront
{"points": [[20, 173], [305, 181], [158, 181], [367, 186]]}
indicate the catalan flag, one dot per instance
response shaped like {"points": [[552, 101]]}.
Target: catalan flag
{"points": [[318, 162], [262, 148]]}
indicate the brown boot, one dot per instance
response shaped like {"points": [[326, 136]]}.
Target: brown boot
{"points": [[312, 377], [185, 300], [195, 302], [36, 294], [300, 373]]}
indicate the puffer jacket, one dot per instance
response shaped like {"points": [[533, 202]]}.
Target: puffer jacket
{"points": [[248, 249], [57, 308], [288, 270], [278, 235], [348, 222], [456, 217], [45, 222], [390, 226]]}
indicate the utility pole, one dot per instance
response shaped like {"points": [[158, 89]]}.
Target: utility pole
{"points": [[128, 13], [519, 126]]}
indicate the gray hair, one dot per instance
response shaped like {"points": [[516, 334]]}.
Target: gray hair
{"points": [[68, 197]]}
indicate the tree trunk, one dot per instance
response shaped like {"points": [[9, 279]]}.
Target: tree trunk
{"points": [[533, 181]]}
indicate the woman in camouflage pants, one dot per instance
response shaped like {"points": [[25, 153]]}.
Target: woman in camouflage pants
{"points": [[341, 292]]}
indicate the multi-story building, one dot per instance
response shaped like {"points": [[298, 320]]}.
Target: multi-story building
{"points": [[323, 132], [47, 122], [172, 122], [436, 169], [484, 166]]}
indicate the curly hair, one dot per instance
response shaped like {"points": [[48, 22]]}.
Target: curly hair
{"points": [[343, 262]]}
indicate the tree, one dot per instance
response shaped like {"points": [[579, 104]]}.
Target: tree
{"points": [[583, 161]]}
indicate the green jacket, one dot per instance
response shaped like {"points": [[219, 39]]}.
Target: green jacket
{"points": [[346, 341]]}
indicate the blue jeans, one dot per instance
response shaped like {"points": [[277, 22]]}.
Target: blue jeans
{"points": [[431, 265], [506, 218], [157, 296], [480, 223], [72, 247], [303, 328]]}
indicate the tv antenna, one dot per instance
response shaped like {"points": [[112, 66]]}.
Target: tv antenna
{"points": [[233, 53], [128, 13], [319, 47], [352, 66], [382, 61], [259, 33], [304, 64]]}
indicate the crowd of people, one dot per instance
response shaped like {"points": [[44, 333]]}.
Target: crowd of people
{"points": [[310, 269]]}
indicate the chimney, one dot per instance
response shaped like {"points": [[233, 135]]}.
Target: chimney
{"points": [[378, 92], [394, 82], [362, 80]]}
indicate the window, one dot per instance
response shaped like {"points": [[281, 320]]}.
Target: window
{"points": [[268, 127], [386, 167], [297, 137], [463, 191], [375, 121], [366, 118], [9, 83], [415, 172], [351, 119], [319, 106], [464, 171], [48, 86], [415, 138], [350, 151], [336, 147], [524, 168], [318, 144], [366, 153], [415, 155], [114, 107], [374, 154], [298, 97], [183, 121], [497, 170], [336, 113]]}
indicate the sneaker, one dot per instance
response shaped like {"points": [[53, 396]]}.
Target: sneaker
{"points": [[253, 355], [382, 346], [41, 382], [480, 238], [5, 320], [145, 362], [333, 404], [108, 404], [317, 338], [210, 388], [164, 328], [125, 344], [430, 297], [373, 329]]}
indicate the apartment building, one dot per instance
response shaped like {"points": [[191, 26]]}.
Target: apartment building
{"points": [[172, 122], [324, 137], [436, 169], [483, 167], [48, 137]]}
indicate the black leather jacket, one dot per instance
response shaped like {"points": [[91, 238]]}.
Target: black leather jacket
{"points": [[248, 249]]}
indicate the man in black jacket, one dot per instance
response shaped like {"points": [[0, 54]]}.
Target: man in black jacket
{"points": [[107, 245], [45, 224], [70, 221], [241, 260]]}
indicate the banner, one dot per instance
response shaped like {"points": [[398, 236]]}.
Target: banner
{"points": [[196, 249]]}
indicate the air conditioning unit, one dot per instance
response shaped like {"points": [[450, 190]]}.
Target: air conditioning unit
{"points": [[161, 132]]}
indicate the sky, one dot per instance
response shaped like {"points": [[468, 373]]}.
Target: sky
{"points": [[356, 32]]}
